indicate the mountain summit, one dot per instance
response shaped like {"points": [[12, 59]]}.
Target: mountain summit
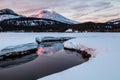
{"points": [[114, 21], [48, 14], [7, 11], [8, 14]]}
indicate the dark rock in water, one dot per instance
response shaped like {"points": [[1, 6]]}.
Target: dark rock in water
{"points": [[52, 39], [84, 54], [18, 51]]}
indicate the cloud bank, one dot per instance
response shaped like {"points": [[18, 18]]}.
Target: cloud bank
{"points": [[80, 10]]}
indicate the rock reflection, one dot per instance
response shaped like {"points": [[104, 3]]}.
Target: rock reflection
{"points": [[51, 49]]}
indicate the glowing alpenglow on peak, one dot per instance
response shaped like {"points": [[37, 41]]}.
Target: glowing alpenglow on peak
{"points": [[50, 14]]}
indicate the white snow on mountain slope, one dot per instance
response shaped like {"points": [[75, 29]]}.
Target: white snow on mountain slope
{"points": [[7, 11], [114, 21], [48, 14], [8, 16]]}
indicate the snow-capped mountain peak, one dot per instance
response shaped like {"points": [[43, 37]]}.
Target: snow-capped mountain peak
{"points": [[49, 14], [8, 14], [7, 11], [114, 21]]}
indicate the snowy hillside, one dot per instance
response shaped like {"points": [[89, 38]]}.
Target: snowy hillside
{"points": [[114, 21], [7, 11], [47, 14], [32, 25], [8, 14], [10, 21]]}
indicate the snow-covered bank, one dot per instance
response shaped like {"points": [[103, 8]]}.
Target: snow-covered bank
{"points": [[105, 66], [18, 50], [77, 45], [52, 39], [26, 48], [10, 39]]}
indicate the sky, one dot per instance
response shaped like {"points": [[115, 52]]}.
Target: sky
{"points": [[79, 10]]}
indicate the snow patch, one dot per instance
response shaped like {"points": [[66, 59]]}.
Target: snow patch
{"points": [[51, 39], [114, 21], [8, 16], [76, 45], [17, 48]]}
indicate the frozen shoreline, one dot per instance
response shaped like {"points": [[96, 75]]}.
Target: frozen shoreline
{"points": [[11, 39], [45, 64], [105, 66], [106, 44]]}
